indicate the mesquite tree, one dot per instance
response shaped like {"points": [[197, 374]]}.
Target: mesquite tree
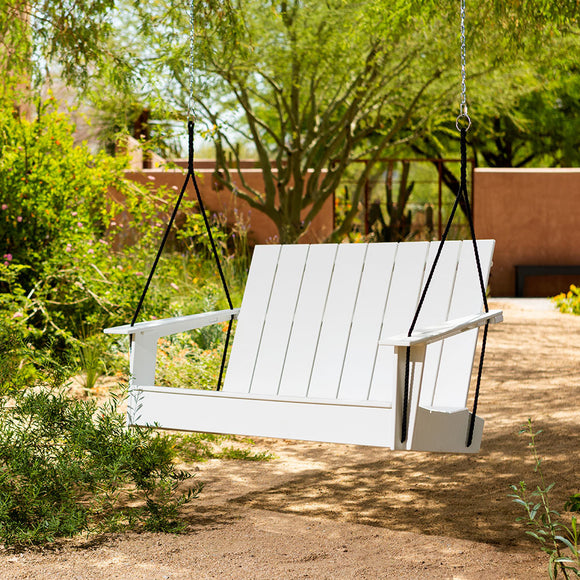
{"points": [[312, 86]]}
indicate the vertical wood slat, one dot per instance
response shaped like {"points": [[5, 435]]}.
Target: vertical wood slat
{"points": [[436, 307], [367, 321], [338, 313], [458, 351], [278, 323], [404, 291], [308, 320], [251, 319]]}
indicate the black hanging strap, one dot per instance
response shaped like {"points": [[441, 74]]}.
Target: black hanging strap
{"points": [[462, 193], [191, 175]]}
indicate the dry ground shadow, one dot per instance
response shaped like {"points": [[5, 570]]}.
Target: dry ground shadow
{"points": [[532, 370]]}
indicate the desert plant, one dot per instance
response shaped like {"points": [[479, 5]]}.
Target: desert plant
{"points": [[559, 541], [69, 466]]}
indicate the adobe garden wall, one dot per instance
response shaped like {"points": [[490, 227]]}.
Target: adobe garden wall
{"points": [[534, 216], [262, 229]]}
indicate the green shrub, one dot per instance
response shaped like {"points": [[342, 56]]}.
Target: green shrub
{"points": [[569, 302], [69, 466]]}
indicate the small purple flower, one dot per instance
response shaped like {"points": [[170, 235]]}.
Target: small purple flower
{"points": [[90, 251], [80, 224], [68, 248], [4, 206], [19, 219], [8, 257]]}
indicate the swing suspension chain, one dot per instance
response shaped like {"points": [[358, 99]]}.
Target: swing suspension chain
{"points": [[191, 60], [191, 176], [463, 105], [463, 123]]}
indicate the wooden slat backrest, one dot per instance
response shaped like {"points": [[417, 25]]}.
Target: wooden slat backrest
{"points": [[336, 322], [367, 322], [251, 319], [458, 351], [312, 315], [302, 346], [401, 304]]}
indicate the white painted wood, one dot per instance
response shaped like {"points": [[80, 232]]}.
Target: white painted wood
{"points": [[445, 431], [279, 317], [320, 314], [167, 326], [307, 323], [142, 363], [239, 414], [143, 359], [458, 352], [251, 319], [435, 309], [416, 368], [404, 291], [445, 330], [369, 311], [337, 319]]}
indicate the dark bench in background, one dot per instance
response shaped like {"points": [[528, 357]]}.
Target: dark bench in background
{"points": [[522, 272]]}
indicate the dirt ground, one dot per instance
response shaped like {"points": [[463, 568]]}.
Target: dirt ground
{"points": [[324, 511]]}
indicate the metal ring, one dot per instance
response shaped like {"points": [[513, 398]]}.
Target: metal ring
{"points": [[463, 116]]}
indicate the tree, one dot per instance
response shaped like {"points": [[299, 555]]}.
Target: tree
{"points": [[78, 37], [313, 86], [317, 86]]}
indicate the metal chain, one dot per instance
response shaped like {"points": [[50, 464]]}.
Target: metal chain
{"points": [[463, 117], [190, 116]]}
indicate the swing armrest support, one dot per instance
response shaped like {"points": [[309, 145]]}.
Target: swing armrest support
{"points": [[167, 326], [446, 329]]}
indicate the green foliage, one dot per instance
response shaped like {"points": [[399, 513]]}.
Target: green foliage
{"points": [[569, 302], [79, 36], [559, 541], [573, 503], [74, 259], [69, 466]]}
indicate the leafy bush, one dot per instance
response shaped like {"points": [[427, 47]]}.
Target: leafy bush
{"points": [[569, 302], [74, 258], [69, 466]]}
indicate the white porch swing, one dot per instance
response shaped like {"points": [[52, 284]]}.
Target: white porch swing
{"points": [[368, 344]]}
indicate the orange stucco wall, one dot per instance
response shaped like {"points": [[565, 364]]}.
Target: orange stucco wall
{"points": [[534, 216], [261, 228]]}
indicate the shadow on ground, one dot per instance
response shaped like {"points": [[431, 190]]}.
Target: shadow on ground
{"points": [[532, 370]]}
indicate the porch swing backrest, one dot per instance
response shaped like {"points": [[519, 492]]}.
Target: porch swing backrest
{"points": [[312, 317]]}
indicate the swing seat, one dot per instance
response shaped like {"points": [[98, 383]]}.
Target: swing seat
{"points": [[320, 348]]}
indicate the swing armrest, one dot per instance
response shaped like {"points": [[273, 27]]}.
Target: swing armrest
{"points": [[166, 326], [444, 330]]}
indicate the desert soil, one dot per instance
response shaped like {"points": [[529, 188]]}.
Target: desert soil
{"points": [[324, 511]]}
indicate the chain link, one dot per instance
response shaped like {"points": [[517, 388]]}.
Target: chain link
{"points": [[190, 116], [463, 117]]}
